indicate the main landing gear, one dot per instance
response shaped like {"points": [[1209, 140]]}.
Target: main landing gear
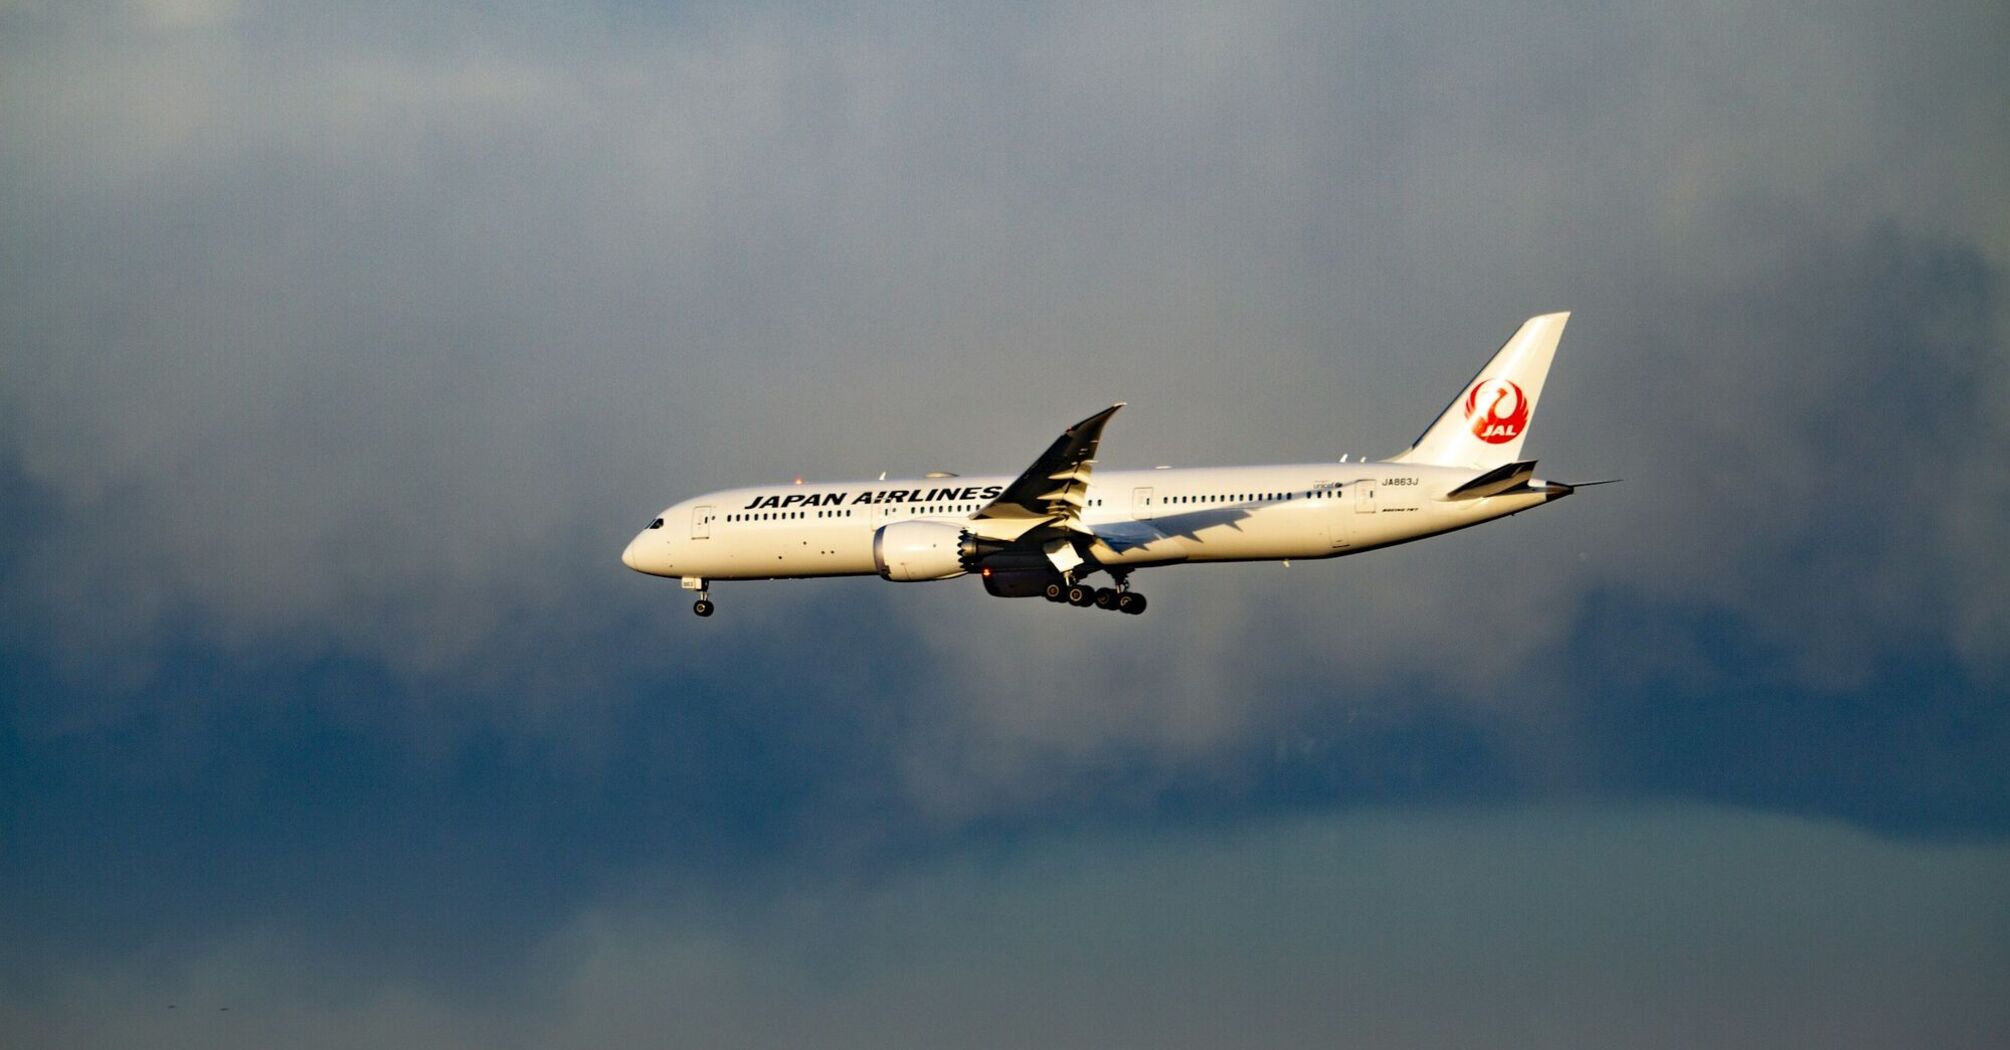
{"points": [[1080, 595]]}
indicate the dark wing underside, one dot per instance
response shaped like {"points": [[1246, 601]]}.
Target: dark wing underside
{"points": [[1053, 491]]}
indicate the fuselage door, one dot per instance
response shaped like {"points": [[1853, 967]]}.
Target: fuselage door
{"points": [[1364, 497], [701, 522], [1143, 505]]}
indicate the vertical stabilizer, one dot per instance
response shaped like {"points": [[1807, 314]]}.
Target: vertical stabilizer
{"points": [[1484, 426]]}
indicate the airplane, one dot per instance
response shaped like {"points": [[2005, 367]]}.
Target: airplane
{"points": [[1041, 533]]}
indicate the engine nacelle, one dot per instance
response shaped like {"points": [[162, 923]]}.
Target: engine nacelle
{"points": [[1018, 582], [911, 551], [1016, 574]]}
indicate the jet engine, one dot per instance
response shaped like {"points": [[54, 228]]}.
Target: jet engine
{"points": [[1015, 574], [909, 551]]}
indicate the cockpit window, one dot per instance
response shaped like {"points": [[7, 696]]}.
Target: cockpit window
{"points": [[657, 524]]}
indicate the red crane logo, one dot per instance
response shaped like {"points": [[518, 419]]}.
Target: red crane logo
{"points": [[1498, 410]]}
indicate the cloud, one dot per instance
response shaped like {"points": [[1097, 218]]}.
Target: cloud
{"points": [[370, 338], [1653, 927], [343, 348]]}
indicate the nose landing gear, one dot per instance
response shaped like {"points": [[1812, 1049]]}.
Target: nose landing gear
{"points": [[703, 606]]}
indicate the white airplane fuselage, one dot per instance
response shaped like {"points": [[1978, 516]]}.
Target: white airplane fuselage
{"points": [[1207, 514]]}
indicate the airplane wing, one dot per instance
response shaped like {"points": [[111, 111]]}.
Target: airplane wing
{"points": [[1124, 535], [1053, 491]]}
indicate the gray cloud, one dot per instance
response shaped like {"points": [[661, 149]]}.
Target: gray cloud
{"points": [[1575, 927], [370, 335], [342, 348]]}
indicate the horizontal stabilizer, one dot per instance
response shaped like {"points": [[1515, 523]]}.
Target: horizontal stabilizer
{"points": [[1495, 481]]}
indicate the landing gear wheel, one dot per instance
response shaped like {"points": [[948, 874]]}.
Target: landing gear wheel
{"points": [[702, 607], [1081, 596], [1131, 602], [1106, 598], [1055, 591]]}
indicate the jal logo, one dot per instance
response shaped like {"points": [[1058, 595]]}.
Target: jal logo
{"points": [[1498, 410]]}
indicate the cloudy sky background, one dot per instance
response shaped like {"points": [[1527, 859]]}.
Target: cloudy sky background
{"points": [[341, 349]]}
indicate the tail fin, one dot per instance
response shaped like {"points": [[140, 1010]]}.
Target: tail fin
{"points": [[1484, 426]]}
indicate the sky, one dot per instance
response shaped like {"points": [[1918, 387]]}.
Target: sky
{"points": [[342, 349]]}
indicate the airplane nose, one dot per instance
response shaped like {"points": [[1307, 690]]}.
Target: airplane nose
{"points": [[628, 554]]}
